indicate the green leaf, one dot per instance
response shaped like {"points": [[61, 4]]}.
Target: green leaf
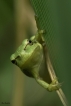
{"points": [[55, 18]]}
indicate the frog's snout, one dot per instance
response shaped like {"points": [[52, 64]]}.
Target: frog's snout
{"points": [[13, 61], [12, 58]]}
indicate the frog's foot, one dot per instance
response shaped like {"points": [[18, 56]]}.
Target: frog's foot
{"points": [[55, 85], [41, 31], [55, 80]]}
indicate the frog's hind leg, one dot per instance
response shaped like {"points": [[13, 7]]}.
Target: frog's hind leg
{"points": [[53, 86]]}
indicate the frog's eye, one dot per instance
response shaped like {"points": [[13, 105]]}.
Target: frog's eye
{"points": [[30, 41]]}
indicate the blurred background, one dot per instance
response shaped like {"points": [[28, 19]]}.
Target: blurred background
{"points": [[16, 16]]}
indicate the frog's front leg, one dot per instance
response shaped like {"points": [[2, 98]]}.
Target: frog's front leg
{"points": [[39, 36], [53, 86]]}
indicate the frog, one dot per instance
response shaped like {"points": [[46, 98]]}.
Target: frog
{"points": [[28, 57]]}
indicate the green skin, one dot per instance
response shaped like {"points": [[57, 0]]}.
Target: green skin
{"points": [[28, 58]]}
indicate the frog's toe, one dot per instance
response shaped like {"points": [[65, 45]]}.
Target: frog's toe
{"points": [[54, 87], [55, 81]]}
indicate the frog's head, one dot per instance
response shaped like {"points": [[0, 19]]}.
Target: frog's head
{"points": [[28, 54]]}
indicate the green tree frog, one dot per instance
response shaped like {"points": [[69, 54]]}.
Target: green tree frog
{"points": [[28, 57]]}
